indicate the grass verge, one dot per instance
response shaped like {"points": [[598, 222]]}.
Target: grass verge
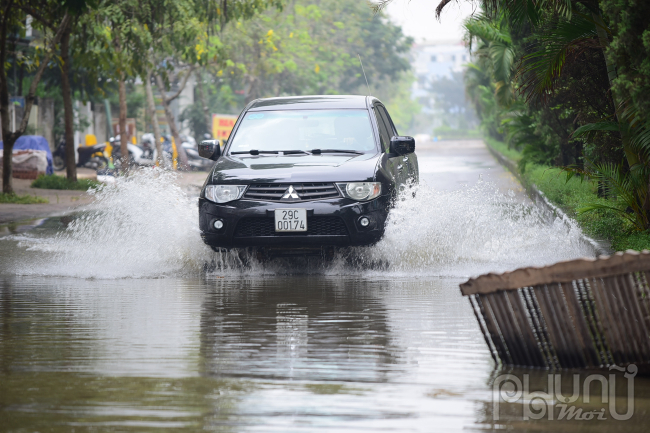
{"points": [[60, 182], [575, 194], [21, 199]]}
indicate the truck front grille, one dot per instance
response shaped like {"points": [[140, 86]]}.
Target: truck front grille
{"points": [[305, 191]]}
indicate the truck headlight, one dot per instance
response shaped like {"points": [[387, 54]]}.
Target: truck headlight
{"points": [[361, 191], [224, 193]]}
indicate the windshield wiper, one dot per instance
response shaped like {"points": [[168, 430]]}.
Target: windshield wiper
{"points": [[254, 152], [258, 152], [291, 152], [319, 151]]}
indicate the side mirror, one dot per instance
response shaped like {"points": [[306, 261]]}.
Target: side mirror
{"points": [[402, 145], [210, 149]]}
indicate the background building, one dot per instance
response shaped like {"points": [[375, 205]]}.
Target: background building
{"points": [[439, 88], [433, 61]]}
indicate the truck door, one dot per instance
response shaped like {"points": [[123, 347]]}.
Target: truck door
{"points": [[395, 165], [410, 161]]}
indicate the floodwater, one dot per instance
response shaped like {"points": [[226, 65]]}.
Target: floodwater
{"points": [[110, 322]]}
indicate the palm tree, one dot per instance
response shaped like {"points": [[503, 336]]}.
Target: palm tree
{"points": [[495, 52], [563, 29]]}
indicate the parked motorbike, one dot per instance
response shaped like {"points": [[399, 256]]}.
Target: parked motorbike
{"points": [[89, 156], [143, 154], [194, 160]]}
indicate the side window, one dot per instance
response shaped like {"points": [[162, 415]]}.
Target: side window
{"points": [[388, 120], [384, 134]]}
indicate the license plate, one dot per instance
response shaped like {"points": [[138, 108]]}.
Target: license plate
{"points": [[291, 220]]}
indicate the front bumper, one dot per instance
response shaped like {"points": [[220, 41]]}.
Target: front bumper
{"points": [[333, 222]]}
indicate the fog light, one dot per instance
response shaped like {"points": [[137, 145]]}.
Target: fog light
{"points": [[364, 222], [218, 224]]}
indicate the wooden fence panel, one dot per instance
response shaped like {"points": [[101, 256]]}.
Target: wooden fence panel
{"points": [[582, 313]]}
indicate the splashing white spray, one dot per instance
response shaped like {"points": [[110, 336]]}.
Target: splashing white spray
{"points": [[143, 225], [471, 231], [146, 226]]}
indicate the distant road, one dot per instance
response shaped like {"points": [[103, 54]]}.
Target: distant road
{"points": [[453, 164]]}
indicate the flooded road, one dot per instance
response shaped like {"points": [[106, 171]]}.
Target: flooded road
{"points": [[121, 329], [288, 353]]}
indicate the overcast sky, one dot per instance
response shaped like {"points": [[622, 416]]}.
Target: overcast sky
{"points": [[417, 18]]}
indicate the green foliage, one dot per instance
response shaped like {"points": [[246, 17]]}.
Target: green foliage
{"points": [[628, 188], [522, 133], [21, 199], [504, 149], [60, 182], [311, 48], [629, 50], [495, 52], [634, 241], [307, 47], [589, 128], [135, 103], [555, 44], [247, 48], [559, 110]]}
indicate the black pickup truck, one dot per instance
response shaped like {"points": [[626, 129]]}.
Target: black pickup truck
{"points": [[305, 172]]}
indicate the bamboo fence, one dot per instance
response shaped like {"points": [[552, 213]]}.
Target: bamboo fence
{"points": [[584, 313]]}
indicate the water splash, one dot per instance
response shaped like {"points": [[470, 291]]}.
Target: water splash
{"points": [[144, 225], [471, 231]]}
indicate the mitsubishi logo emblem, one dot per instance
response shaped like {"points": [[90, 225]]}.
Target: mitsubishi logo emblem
{"points": [[290, 194]]}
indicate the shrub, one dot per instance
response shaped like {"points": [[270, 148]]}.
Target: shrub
{"points": [[21, 199], [60, 182]]}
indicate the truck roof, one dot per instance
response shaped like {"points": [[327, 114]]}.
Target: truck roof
{"points": [[312, 102]]}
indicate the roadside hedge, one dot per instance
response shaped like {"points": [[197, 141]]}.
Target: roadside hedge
{"points": [[21, 199], [60, 182]]}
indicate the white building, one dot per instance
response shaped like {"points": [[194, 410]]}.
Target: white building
{"points": [[432, 61]]}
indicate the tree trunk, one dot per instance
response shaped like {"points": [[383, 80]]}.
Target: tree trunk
{"points": [[8, 136], [7, 153], [251, 92], [21, 76], [170, 120], [68, 116], [204, 105], [151, 107], [8, 139], [124, 149]]}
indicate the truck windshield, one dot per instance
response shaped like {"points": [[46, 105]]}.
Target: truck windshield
{"points": [[304, 130]]}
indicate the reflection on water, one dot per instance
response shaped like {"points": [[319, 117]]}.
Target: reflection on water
{"points": [[227, 354]]}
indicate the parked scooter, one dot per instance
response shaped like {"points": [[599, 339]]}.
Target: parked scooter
{"points": [[144, 154], [194, 160], [89, 156]]}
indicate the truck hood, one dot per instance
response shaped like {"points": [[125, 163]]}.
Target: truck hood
{"points": [[249, 169]]}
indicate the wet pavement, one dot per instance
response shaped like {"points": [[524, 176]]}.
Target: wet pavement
{"points": [[450, 165], [285, 349]]}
